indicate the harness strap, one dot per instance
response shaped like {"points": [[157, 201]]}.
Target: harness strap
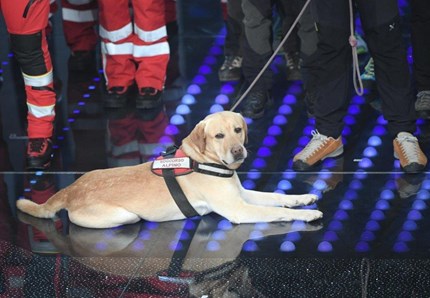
{"points": [[174, 188]]}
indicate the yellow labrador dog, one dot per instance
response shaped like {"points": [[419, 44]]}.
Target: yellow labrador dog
{"points": [[215, 148]]}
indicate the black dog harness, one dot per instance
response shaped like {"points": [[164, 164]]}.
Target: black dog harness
{"points": [[174, 163]]}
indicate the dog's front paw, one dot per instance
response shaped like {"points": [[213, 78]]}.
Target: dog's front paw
{"points": [[301, 200], [310, 215]]}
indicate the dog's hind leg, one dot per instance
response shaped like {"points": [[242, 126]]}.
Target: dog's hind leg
{"points": [[276, 199], [102, 217]]}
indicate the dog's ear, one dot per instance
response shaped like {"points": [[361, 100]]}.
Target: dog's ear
{"points": [[245, 129], [197, 137]]}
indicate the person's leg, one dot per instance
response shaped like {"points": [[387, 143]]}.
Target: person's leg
{"points": [[29, 44], [382, 27], [257, 49], [150, 49], [420, 32], [332, 82], [231, 69]]}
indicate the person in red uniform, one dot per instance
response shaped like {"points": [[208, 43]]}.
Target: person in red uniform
{"points": [[26, 22], [135, 51]]}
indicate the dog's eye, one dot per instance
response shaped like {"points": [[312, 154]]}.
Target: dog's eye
{"points": [[238, 130], [219, 136]]}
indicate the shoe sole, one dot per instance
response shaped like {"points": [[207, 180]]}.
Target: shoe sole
{"points": [[301, 166], [115, 104], [149, 104], [424, 114], [414, 167], [38, 167], [258, 115]]}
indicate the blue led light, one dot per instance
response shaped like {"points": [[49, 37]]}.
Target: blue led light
{"points": [[372, 225], [261, 226], [350, 194], [222, 99], [274, 130], [308, 130], [374, 141], [319, 184], [370, 152], [171, 130], [360, 174], [400, 247], [259, 163], [248, 184], [357, 99], [188, 99], [227, 89], [341, 215], [194, 89], [182, 235], [215, 108], [356, 184], [225, 225], [81, 103], [377, 215], [264, 152], [303, 141], [354, 110], [287, 246], [285, 110], [362, 246], [86, 95], [289, 174], [387, 194], [250, 246], [216, 50], [144, 235], [189, 225], [295, 88], [414, 215], [91, 87], [346, 205], [177, 119], [365, 163], [382, 121], [419, 205], [205, 69], [270, 141], [199, 80], [405, 236], [175, 246], [410, 225], [298, 225], [382, 205], [293, 236], [367, 236], [219, 235], [279, 120], [213, 246], [325, 246], [423, 194], [150, 225], [210, 60], [426, 184], [330, 236], [284, 185], [182, 109], [256, 235], [335, 225], [345, 132], [379, 130], [349, 120]]}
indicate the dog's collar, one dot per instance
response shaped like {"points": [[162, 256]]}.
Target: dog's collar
{"points": [[174, 158]]}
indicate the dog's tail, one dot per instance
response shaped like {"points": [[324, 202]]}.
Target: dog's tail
{"points": [[46, 210]]}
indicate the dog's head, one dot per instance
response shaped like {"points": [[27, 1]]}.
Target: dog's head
{"points": [[219, 138]]}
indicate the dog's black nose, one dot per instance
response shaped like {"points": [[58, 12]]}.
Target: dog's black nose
{"points": [[237, 152]]}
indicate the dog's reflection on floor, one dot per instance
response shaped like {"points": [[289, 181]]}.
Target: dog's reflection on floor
{"points": [[200, 254]]}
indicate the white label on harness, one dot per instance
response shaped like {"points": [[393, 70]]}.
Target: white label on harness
{"points": [[172, 163]]}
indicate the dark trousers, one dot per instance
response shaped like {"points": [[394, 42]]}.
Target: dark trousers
{"points": [[257, 47], [420, 33], [381, 24], [234, 25]]}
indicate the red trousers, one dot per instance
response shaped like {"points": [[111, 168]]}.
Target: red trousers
{"points": [[26, 22]]}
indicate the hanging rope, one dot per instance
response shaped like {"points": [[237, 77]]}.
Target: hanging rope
{"points": [[356, 76], [358, 84], [271, 57]]}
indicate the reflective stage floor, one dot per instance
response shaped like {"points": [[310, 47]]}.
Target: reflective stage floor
{"points": [[373, 240]]}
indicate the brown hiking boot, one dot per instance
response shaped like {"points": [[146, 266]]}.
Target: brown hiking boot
{"points": [[319, 148], [408, 152]]}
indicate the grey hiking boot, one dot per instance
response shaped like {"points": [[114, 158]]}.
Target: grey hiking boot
{"points": [[422, 105]]}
